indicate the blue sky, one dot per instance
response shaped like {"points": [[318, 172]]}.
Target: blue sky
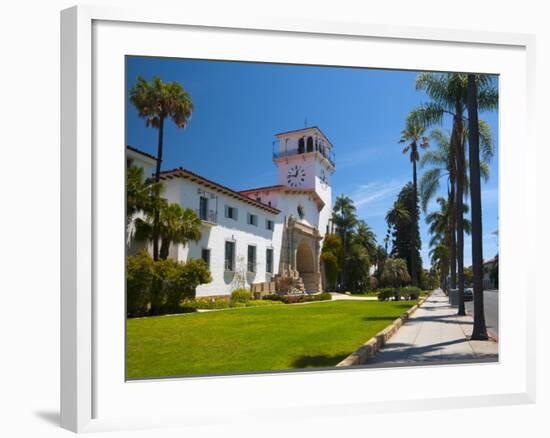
{"points": [[240, 106]]}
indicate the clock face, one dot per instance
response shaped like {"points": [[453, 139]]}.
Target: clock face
{"points": [[296, 176]]}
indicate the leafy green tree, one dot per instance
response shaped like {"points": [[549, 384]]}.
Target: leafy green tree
{"points": [[156, 102], [344, 217], [177, 225], [364, 235], [395, 273], [359, 264], [141, 197], [405, 239], [414, 139], [331, 257], [380, 258]]}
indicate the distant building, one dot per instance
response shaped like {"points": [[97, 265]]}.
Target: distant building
{"points": [[489, 280], [265, 232]]}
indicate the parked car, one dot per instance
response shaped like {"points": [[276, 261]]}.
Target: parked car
{"points": [[468, 294]]}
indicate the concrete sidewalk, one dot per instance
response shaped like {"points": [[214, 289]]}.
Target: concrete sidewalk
{"points": [[433, 334]]}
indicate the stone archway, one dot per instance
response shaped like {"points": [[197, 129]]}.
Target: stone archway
{"points": [[307, 265], [304, 259]]}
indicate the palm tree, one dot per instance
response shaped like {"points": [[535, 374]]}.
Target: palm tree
{"points": [[395, 273], [157, 101], [177, 225], [439, 227], [414, 138], [365, 236], [448, 96], [479, 331], [440, 161], [345, 220]]}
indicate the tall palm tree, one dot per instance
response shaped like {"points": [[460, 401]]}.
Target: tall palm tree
{"points": [[414, 138], [345, 219], [439, 227], [448, 96], [479, 331], [176, 225], [156, 102], [365, 236]]}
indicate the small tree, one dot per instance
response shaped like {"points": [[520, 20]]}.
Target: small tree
{"points": [[395, 273], [331, 256]]}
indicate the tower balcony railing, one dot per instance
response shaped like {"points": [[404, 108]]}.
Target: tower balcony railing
{"points": [[329, 155]]}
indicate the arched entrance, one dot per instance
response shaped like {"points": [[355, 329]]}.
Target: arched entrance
{"points": [[304, 259], [305, 265]]}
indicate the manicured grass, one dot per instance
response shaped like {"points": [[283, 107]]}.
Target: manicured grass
{"points": [[254, 339]]}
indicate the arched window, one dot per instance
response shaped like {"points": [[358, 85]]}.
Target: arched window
{"points": [[310, 144], [301, 146]]}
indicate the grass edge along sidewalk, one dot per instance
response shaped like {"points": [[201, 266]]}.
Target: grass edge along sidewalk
{"points": [[374, 344], [261, 339]]}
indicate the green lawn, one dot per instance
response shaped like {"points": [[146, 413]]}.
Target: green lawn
{"points": [[254, 339]]}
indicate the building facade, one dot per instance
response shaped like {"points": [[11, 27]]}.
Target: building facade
{"points": [[259, 235]]}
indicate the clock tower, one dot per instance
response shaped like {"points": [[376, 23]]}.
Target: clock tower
{"points": [[305, 162]]}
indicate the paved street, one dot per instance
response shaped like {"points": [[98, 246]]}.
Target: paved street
{"points": [[435, 334], [490, 301]]}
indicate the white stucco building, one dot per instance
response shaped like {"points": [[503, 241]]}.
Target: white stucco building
{"points": [[267, 232]]}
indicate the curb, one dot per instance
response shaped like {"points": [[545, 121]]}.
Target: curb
{"points": [[369, 349]]}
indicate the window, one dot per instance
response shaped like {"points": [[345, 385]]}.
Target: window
{"points": [[251, 261], [269, 224], [300, 210], [205, 255], [258, 199], [269, 260], [301, 146], [310, 144], [203, 208], [252, 219], [229, 256], [231, 212]]}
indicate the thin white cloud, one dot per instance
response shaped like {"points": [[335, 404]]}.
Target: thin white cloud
{"points": [[376, 197]]}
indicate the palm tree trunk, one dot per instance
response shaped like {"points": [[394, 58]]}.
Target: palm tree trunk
{"points": [[157, 179], [458, 136], [164, 249], [452, 210], [414, 273], [479, 331]]}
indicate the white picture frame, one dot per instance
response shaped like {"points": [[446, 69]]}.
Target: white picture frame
{"points": [[85, 380]]}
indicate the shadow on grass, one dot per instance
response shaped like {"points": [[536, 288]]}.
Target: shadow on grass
{"points": [[320, 360]]}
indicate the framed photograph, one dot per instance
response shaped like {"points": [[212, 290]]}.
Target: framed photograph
{"points": [[261, 216]]}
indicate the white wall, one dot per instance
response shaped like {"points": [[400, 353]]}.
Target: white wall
{"points": [[29, 399], [214, 236]]}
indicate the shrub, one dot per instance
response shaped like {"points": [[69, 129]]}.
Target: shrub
{"points": [[159, 287], [411, 292], [241, 295], [207, 303], [395, 273], [139, 279], [179, 281], [388, 293], [292, 299]]}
